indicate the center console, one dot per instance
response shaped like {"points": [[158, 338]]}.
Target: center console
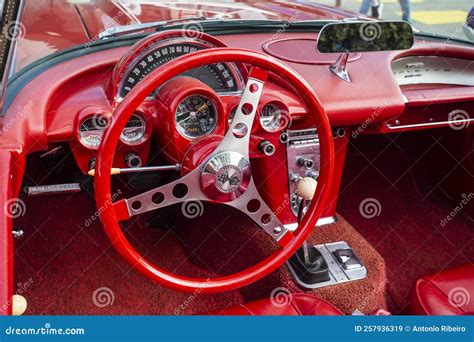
{"points": [[302, 153], [303, 160]]}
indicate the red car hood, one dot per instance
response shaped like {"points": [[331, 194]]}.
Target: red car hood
{"points": [[50, 25], [106, 14]]}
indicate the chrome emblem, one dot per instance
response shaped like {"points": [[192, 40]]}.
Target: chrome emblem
{"points": [[229, 178], [225, 176]]}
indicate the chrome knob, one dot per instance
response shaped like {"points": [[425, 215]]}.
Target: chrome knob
{"points": [[266, 147], [313, 174], [133, 160], [306, 162]]}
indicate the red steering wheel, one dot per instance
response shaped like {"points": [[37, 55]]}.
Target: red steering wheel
{"points": [[208, 181]]}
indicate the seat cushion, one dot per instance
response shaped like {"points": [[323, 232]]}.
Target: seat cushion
{"points": [[450, 292], [295, 304]]}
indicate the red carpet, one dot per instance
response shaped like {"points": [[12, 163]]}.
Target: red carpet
{"points": [[408, 232], [61, 263], [68, 262]]}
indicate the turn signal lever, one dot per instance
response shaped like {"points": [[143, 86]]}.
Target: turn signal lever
{"points": [[308, 262]]}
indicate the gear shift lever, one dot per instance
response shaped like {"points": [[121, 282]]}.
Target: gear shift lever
{"points": [[305, 188], [308, 262]]}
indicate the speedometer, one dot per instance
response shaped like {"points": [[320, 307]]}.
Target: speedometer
{"points": [[221, 77], [195, 116]]}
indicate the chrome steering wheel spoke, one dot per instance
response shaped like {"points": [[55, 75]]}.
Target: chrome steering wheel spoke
{"points": [[253, 205], [186, 188], [237, 138]]}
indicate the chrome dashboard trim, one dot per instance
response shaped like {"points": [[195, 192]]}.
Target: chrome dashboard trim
{"points": [[428, 124], [433, 70]]}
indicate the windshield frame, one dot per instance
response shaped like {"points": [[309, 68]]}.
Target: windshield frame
{"points": [[11, 27]]}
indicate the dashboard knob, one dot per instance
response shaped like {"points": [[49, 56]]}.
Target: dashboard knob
{"points": [[306, 162], [266, 147], [313, 174], [133, 160], [306, 187]]}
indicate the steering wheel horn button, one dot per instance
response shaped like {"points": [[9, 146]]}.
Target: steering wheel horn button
{"points": [[228, 178], [225, 176]]}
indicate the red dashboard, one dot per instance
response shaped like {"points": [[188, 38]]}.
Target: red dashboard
{"points": [[82, 93]]}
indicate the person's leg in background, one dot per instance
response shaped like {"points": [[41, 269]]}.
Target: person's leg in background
{"points": [[374, 5], [406, 13], [365, 6]]}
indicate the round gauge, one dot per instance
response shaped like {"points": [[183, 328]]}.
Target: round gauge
{"points": [[91, 130], [271, 118], [134, 130], [218, 76], [195, 116]]}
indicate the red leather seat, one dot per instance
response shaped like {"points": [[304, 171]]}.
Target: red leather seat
{"points": [[295, 304], [450, 292]]}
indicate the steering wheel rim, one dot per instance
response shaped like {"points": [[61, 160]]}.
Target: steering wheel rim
{"points": [[110, 212]]}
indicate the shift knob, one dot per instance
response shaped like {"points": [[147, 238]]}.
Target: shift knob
{"points": [[306, 187], [19, 305]]}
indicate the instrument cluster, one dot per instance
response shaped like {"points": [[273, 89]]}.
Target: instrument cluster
{"points": [[196, 104], [92, 127]]}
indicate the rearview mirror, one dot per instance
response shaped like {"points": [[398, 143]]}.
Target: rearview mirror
{"points": [[365, 36]]}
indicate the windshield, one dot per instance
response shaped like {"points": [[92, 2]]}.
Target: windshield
{"points": [[445, 18], [49, 26]]}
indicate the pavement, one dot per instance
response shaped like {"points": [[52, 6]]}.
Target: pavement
{"points": [[443, 17]]}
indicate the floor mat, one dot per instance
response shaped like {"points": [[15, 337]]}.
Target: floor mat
{"points": [[412, 232], [64, 264]]}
